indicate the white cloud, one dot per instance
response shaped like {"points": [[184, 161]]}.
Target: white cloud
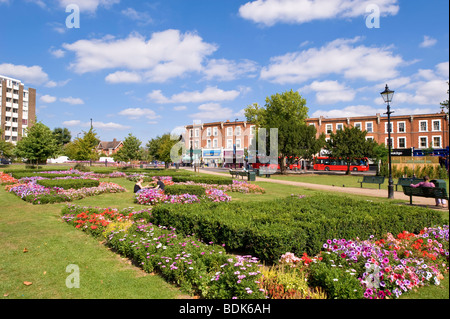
{"points": [[88, 5], [123, 77], [72, 100], [270, 12], [212, 112], [366, 110], [28, 74], [328, 92], [141, 17], [180, 108], [339, 57], [58, 53], [165, 55], [109, 126], [207, 95], [227, 70], [136, 113], [52, 84], [47, 98], [427, 42], [71, 123]]}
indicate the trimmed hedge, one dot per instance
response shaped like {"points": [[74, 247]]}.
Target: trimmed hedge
{"points": [[203, 179], [184, 189], [269, 229], [68, 183], [19, 175]]}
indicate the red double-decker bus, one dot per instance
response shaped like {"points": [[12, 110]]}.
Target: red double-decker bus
{"points": [[337, 164]]}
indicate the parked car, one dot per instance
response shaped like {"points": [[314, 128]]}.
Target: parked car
{"points": [[59, 160], [5, 161]]}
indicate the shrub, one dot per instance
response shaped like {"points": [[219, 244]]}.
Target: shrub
{"points": [[203, 179], [68, 183], [184, 189]]}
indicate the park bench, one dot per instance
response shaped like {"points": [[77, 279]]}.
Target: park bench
{"points": [[372, 180], [430, 192], [265, 171], [236, 173], [406, 181]]}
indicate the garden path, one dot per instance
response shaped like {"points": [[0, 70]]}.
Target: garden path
{"points": [[419, 201]]}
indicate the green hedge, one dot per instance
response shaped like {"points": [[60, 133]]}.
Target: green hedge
{"points": [[68, 183], [184, 189], [203, 179], [19, 175], [269, 229]]}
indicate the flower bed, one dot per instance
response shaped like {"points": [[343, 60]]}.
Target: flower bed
{"points": [[6, 179], [197, 267], [151, 196]]}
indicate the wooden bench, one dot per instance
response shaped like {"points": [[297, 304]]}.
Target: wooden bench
{"points": [[430, 192], [372, 180], [406, 181], [236, 174]]}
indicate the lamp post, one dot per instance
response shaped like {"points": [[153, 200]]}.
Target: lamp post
{"points": [[387, 97]]}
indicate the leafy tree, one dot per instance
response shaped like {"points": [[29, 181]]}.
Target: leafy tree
{"points": [[380, 155], [349, 144], [62, 135], [287, 112], [6, 148], [159, 148], [83, 149], [310, 145], [130, 150], [445, 103], [38, 145]]}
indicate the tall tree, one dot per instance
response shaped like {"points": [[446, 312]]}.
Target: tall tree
{"points": [[349, 144], [38, 145], [130, 150], [6, 148], [62, 135], [160, 147], [286, 112], [83, 149]]}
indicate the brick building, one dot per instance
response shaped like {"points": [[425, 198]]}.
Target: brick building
{"points": [[418, 131], [215, 142], [17, 108], [109, 147]]}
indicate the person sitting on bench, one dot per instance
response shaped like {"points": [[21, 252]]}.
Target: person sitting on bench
{"points": [[426, 183]]}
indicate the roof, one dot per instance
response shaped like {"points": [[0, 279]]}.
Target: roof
{"points": [[108, 145]]}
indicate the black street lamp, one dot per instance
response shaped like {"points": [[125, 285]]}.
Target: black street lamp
{"points": [[387, 97]]}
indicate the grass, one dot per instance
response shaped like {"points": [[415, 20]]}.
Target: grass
{"points": [[52, 245]]}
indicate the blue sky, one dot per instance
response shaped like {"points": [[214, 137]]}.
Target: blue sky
{"points": [[149, 67]]}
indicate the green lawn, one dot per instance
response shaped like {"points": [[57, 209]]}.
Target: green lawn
{"points": [[53, 245]]}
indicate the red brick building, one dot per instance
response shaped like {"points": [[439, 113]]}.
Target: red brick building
{"points": [[109, 148]]}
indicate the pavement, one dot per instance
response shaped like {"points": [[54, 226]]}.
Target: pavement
{"points": [[383, 193]]}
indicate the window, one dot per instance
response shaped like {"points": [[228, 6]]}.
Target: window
{"points": [[329, 128], [386, 142], [238, 130], [401, 142], [215, 131], [191, 133], [197, 132], [339, 126], [229, 131], [208, 131], [369, 127], [423, 126], [437, 142], [387, 128], [436, 125], [401, 127], [208, 143], [358, 125], [229, 143], [423, 141], [369, 138], [238, 143], [215, 143]]}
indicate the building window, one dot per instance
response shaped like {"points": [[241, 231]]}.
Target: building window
{"points": [[329, 128], [229, 143], [436, 125], [358, 125], [401, 141], [369, 127], [215, 131], [197, 132], [229, 131], [339, 126], [238, 143], [215, 143], [437, 142], [208, 131], [238, 130], [208, 143], [387, 128], [423, 126], [401, 127], [369, 138], [387, 142], [191, 133], [423, 141]]}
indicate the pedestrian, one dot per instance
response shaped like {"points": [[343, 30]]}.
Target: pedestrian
{"points": [[159, 183], [426, 183]]}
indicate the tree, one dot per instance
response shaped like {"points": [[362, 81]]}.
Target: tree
{"points": [[286, 112], [62, 135], [38, 145], [445, 103], [6, 148], [310, 145], [380, 155], [83, 149], [349, 144], [130, 150], [160, 147]]}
